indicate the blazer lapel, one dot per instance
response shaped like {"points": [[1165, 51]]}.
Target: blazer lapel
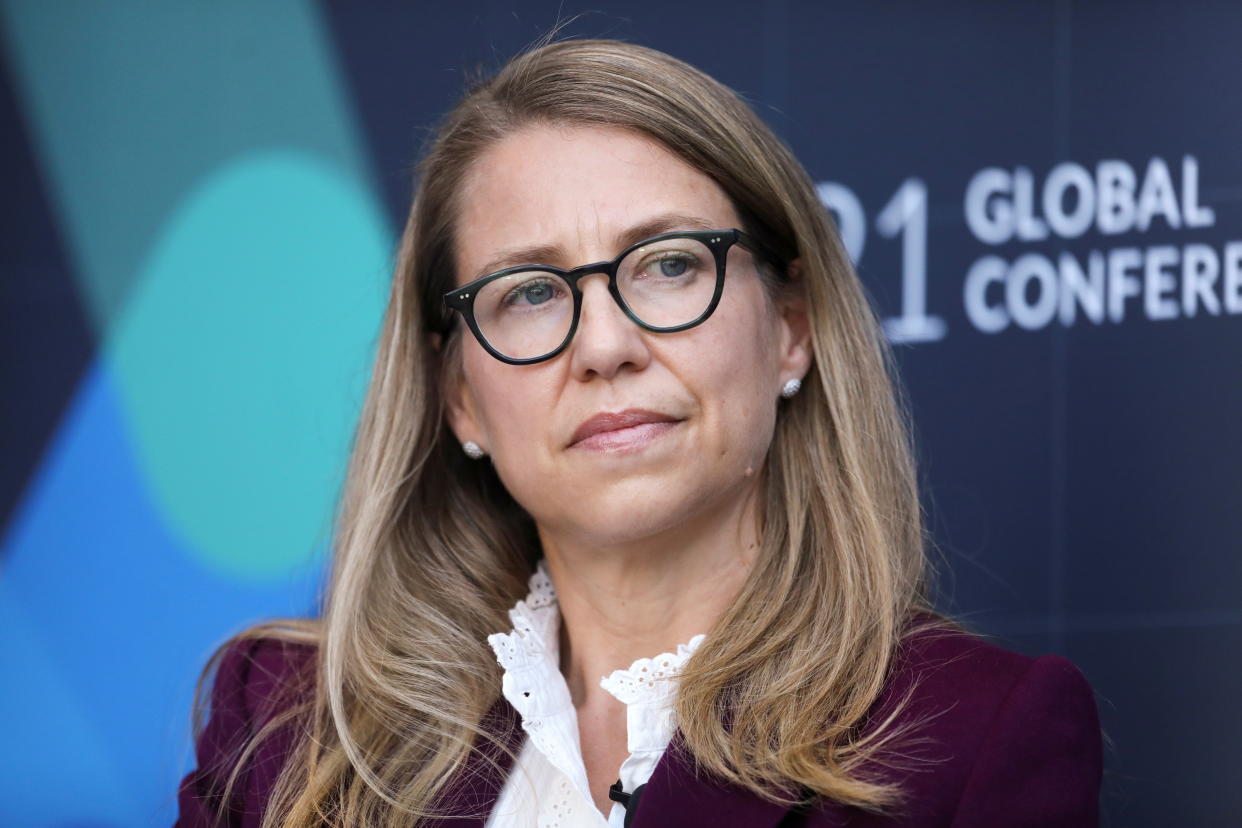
{"points": [[676, 794], [679, 795], [468, 799]]}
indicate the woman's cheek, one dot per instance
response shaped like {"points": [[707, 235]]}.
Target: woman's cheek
{"points": [[521, 479]]}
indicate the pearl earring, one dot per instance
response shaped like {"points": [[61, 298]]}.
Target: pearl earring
{"points": [[472, 450], [790, 388]]}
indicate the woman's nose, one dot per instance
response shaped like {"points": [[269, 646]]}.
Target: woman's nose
{"points": [[607, 340]]}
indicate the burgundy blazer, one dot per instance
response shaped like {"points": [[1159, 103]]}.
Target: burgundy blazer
{"points": [[1011, 741]]}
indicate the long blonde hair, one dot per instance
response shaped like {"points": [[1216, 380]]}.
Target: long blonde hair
{"points": [[430, 550]]}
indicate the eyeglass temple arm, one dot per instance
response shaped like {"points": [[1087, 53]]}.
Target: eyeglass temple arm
{"points": [[755, 246]]}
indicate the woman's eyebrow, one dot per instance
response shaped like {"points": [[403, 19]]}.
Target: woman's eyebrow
{"points": [[549, 253]]}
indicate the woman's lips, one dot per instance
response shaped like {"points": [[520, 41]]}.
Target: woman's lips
{"points": [[616, 421], [626, 439]]}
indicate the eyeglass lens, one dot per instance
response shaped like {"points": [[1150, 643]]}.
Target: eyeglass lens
{"points": [[665, 283]]}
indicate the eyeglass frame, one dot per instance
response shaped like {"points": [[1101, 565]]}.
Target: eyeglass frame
{"points": [[462, 298]]}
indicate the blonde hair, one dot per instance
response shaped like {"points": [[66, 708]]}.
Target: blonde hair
{"points": [[430, 550]]}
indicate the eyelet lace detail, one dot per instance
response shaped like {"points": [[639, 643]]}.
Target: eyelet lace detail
{"points": [[650, 679], [534, 622], [532, 683], [560, 811]]}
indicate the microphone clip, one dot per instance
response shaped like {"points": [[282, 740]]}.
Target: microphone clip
{"points": [[629, 801]]}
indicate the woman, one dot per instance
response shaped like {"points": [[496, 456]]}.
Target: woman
{"points": [[631, 533]]}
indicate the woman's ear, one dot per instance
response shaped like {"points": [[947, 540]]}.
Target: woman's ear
{"points": [[796, 350], [460, 406]]}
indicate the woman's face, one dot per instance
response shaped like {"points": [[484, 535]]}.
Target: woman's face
{"points": [[578, 192]]}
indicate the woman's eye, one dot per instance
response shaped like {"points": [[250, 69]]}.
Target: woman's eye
{"points": [[672, 266], [531, 293]]}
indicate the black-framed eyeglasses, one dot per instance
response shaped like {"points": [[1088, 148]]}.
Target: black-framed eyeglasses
{"points": [[666, 283]]}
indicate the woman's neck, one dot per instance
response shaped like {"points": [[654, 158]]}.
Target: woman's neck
{"points": [[624, 601]]}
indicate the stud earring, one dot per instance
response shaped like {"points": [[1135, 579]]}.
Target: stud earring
{"points": [[472, 450], [790, 388]]}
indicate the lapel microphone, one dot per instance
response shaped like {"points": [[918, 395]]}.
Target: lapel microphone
{"points": [[629, 801]]}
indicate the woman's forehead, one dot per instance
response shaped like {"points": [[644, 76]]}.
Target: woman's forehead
{"points": [[577, 192]]}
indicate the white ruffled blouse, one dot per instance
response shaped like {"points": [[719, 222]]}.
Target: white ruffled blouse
{"points": [[548, 785]]}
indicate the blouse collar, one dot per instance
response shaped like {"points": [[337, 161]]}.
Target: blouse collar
{"points": [[533, 684]]}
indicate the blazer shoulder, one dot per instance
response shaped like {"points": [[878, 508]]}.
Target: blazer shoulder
{"points": [[1037, 758], [255, 680], [967, 680], [944, 659], [274, 673], [989, 727]]}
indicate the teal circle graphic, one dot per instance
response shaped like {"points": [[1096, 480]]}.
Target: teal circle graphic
{"points": [[243, 355]]}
